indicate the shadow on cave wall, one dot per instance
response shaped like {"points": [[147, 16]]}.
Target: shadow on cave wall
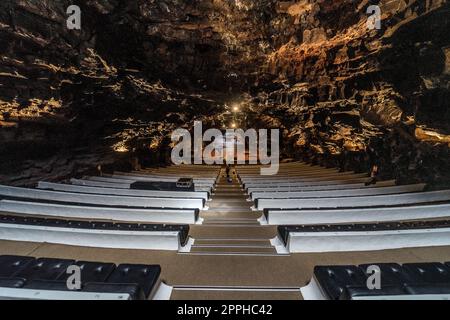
{"points": [[415, 64]]}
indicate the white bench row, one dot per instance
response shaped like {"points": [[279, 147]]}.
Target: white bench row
{"points": [[380, 184], [339, 216], [105, 200], [180, 216], [339, 193], [118, 185], [98, 238], [162, 178], [121, 192], [105, 182], [297, 174], [361, 237], [277, 180], [354, 202], [305, 183]]}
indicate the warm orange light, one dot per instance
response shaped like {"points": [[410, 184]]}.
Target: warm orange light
{"points": [[120, 147], [233, 125]]}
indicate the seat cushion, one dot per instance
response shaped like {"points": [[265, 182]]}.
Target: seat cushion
{"points": [[11, 265], [45, 269], [146, 276], [335, 279], [427, 273], [92, 271]]}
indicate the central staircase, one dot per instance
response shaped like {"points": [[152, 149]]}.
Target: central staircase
{"points": [[230, 227]]}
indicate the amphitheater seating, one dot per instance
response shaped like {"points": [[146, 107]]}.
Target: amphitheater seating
{"points": [[103, 182], [94, 233], [364, 237], [355, 202], [121, 192], [359, 215], [96, 199], [45, 278], [338, 193], [159, 215], [411, 281], [276, 188], [315, 209]]}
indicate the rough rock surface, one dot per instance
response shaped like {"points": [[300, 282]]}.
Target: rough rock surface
{"points": [[355, 97], [342, 94]]}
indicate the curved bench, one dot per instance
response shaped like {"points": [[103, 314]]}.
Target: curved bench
{"points": [[339, 193], [121, 192], [94, 233], [305, 183], [410, 281], [104, 200], [334, 216], [182, 216], [268, 188], [119, 185], [46, 279], [363, 237], [355, 202]]}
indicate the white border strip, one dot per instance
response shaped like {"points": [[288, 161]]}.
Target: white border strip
{"points": [[121, 239], [180, 216], [305, 217], [37, 194], [367, 240]]}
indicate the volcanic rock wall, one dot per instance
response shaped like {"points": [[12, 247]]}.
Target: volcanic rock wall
{"points": [[342, 94], [73, 99], [350, 96]]}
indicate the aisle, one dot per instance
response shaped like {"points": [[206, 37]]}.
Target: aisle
{"points": [[231, 229], [230, 226]]}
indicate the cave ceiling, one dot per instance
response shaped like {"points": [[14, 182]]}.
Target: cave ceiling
{"points": [[137, 70]]}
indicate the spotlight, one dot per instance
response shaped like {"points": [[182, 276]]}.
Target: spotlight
{"points": [[236, 108], [233, 125]]}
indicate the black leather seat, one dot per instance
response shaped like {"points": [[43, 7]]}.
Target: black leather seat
{"points": [[349, 282], [437, 288], [51, 274], [12, 265], [392, 274], [146, 276], [12, 282], [46, 285], [427, 273], [45, 269], [335, 279], [91, 271], [100, 225]]}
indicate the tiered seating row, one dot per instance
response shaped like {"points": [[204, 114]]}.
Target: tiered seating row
{"points": [[364, 237], [311, 196], [46, 278], [411, 281], [49, 213], [103, 200], [121, 192], [94, 233], [355, 202], [181, 216]]}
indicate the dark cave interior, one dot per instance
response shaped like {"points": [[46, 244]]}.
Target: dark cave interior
{"points": [[342, 95]]}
